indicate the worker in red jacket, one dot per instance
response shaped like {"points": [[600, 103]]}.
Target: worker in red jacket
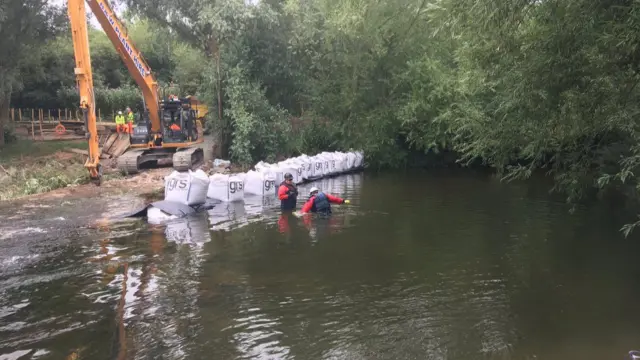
{"points": [[320, 202], [288, 193]]}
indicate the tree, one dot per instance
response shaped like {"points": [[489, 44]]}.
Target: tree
{"points": [[23, 25]]}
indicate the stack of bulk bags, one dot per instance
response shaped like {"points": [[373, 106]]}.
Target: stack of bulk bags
{"points": [[226, 188], [187, 188], [259, 183]]}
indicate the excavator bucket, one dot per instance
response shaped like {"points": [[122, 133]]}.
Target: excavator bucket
{"points": [[115, 145]]}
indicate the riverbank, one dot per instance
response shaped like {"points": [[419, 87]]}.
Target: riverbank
{"points": [[53, 169]]}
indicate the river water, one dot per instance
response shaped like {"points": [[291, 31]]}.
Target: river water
{"points": [[444, 265]]}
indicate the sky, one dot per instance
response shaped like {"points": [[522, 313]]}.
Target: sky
{"points": [[92, 19]]}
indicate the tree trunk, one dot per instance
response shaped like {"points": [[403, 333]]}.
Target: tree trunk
{"points": [[4, 114], [212, 49], [223, 136]]}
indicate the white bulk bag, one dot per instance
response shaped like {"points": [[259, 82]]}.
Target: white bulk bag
{"points": [[262, 165], [301, 170], [317, 168], [326, 164], [273, 173], [291, 168], [236, 187], [257, 183], [341, 162], [227, 188], [351, 160], [188, 188], [331, 160], [279, 177], [218, 187], [307, 163], [359, 159]]}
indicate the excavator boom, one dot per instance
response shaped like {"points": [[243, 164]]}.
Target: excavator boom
{"points": [[131, 57]]}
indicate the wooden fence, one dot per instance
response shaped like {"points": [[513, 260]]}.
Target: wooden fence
{"points": [[44, 121], [17, 114]]}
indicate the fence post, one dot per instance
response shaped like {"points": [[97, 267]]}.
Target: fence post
{"points": [[33, 129], [20, 114], [41, 119], [48, 114]]}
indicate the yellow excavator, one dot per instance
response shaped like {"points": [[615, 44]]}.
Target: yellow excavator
{"points": [[168, 128]]}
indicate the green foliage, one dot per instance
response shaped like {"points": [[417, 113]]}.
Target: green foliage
{"points": [[29, 167], [107, 100], [259, 129]]}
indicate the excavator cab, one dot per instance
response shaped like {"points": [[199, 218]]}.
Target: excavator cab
{"points": [[178, 121], [177, 138]]}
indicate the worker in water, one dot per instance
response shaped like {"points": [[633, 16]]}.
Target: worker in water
{"points": [[120, 122], [320, 202], [288, 193], [130, 119]]}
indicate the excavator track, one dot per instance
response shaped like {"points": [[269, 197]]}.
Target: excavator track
{"points": [[129, 162], [188, 158]]}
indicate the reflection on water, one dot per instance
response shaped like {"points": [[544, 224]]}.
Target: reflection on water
{"points": [[438, 266]]}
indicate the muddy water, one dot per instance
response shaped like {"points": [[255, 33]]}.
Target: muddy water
{"points": [[432, 266]]}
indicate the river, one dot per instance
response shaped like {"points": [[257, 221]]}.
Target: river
{"points": [[440, 265]]}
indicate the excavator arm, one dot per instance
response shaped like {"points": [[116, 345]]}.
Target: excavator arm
{"points": [[132, 58], [84, 79]]}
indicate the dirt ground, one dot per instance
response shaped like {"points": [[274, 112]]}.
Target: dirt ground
{"points": [[147, 184]]}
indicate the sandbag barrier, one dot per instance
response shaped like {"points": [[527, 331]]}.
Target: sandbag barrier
{"points": [[194, 187]]}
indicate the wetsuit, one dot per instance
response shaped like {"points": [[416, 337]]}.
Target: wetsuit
{"points": [[321, 203], [288, 195]]}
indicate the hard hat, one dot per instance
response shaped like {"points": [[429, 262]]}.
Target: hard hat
{"points": [[313, 190], [288, 176], [119, 112]]}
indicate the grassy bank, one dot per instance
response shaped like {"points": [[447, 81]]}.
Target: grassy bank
{"points": [[28, 167]]}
